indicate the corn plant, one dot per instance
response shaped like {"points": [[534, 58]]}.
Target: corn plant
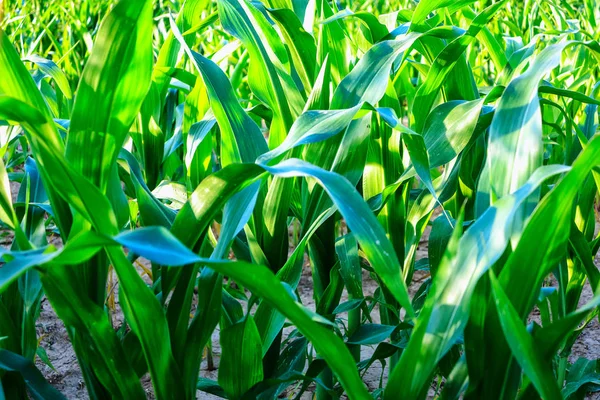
{"points": [[207, 153]]}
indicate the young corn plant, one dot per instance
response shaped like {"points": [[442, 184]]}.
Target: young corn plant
{"points": [[210, 153]]}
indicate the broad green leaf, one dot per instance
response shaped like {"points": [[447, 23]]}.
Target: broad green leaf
{"points": [[152, 211], [148, 322], [415, 144], [349, 305], [269, 64], [209, 198], [114, 84], [242, 140], [49, 68], [449, 129], [7, 213], [259, 279], [522, 345], [333, 43], [80, 192], [198, 148], [371, 334], [169, 51], [424, 8], [549, 338], [301, 44], [236, 213], [346, 249], [106, 354], [515, 139], [444, 63], [313, 126], [39, 388], [125, 47], [369, 78], [262, 282], [154, 244], [582, 375], [445, 312], [548, 89], [241, 360], [23, 101], [376, 29], [319, 97], [149, 138], [268, 319], [441, 232], [360, 219], [549, 227]]}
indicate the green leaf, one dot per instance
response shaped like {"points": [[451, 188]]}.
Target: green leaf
{"points": [[156, 244], [41, 353], [360, 219], [49, 68], [262, 282], [348, 306], [268, 319], [548, 227], [123, 45], [376, 29], [242, 139], [39, 388], [446, 308], [449, 128], [369, 79], [515, 140], [241, 358], [371, 334], [20, 98], [152, 211], [346, 249], [106, 355], [269, 63], [169, 51], [522, 345], [311, 127], [424, 8], [7, 213], [445, 62], [582, 375], [301, 44]]}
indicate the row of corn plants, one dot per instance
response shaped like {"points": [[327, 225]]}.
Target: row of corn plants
{"points": [[233, 144]]}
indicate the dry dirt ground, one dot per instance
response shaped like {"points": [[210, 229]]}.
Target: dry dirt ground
{"points": [[67, 377]]}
